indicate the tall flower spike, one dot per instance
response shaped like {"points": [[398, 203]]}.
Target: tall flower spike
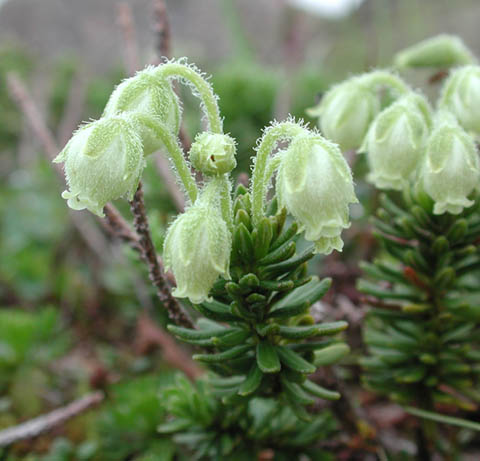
{"points": [[315, 185], [440, 51], [395, 141], [197, 247], [345, 113], [103, 162], [147, 94], [461, 96], [451, 171]]}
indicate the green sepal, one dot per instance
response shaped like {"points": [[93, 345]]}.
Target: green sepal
{"points": [[243, 242], [249, 281], [240, 190], [242, 217], [285, 236], [440, 245], [216, 310], [294, 361], [262, 238], [252, 381], [290, 311], [187, 333], [330, 354], [295, 393], [231, 339], [277, 285], [282, 253], [322, 329], [319, 391], [445, 277], [223, 356], [411, 374], [309, 293], [289, 264], [457, 231], [176, 425], [255, 298], [267, 357]]}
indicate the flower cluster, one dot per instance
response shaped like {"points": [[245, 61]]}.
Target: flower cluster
{"points": [[406, 143]]}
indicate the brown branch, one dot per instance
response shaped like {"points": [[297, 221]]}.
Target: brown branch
{"points": [[161, 27], [90, 234], [155, 269], [127, 27], [74, 108], [37, 426], [149, 336]]}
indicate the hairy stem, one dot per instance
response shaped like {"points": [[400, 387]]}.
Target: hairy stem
{"points": [[175, 154], [262, 172], [202, 89]]}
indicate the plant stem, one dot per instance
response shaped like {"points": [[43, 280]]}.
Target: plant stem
{"points": [[202, 89], [175, 154], [273, 135], [155, 271]]}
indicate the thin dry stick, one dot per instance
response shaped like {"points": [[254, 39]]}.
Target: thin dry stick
{"points": [[161, 27], [115, 220], [74, 108], [155, 269], [127, 27], [92, 237], [37, 426]]}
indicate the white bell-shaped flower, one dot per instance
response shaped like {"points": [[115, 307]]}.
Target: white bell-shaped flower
{"points": [[315, 185], [103, 162]]}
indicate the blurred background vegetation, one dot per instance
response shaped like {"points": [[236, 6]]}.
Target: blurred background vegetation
{"points": [[68, 314]]}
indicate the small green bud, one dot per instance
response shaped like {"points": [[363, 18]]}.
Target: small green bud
{"points": [[197, 248], [395, 142], [315, 185], [461, 96], [213, 154], [103, 162], [346, 112], [149, 95], [451, 168], [440, 51]]}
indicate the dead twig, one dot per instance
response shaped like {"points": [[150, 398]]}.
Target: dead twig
{"points": [[150, 336], [37, 426], [155, 269], [127, 27], [90, 234]]}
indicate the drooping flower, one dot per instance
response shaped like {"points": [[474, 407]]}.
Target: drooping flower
{"points": [[440, 51], [197, 248], [461, 96], [451, 171], [395, 142], [315, 185], [103, 162], [213, 153], [148, 95], [346, 112]]}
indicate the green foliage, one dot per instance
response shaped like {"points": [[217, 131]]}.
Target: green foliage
{"points": [[423, 336], [264, 350], [127, 425], [207, 428]]}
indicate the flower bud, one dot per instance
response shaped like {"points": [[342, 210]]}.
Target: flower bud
{"points": [[103, 162], [451, 168], [147, 94], [197, 248], [213, 154], [345, 113], [315, 185], [395, 141], [461, 96], [440, 51]]}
